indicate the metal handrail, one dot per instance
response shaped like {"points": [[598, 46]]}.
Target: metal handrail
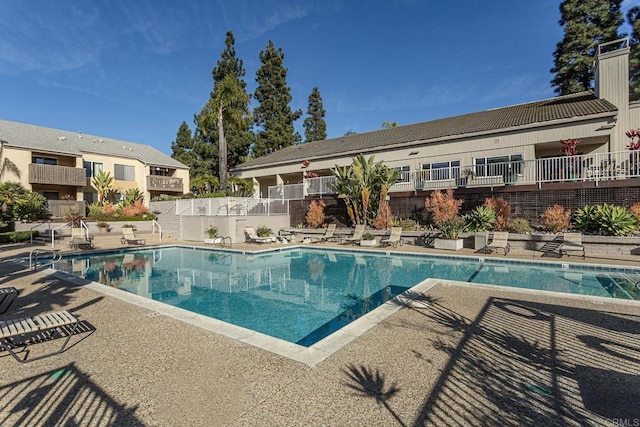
{"points": [[53, 232], [48, 221], [33, 257], [155, 223]]}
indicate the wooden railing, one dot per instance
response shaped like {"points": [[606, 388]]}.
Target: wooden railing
{"points": [[57, 175], [164, 183]]}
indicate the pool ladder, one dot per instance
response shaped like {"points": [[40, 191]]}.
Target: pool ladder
{"points": [[52, 257]]}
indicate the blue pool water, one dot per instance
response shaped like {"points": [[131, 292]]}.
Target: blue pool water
{"points": [[304, 295]]}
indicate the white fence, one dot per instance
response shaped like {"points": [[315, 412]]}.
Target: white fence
{"points": [[587, 167], [232, 206]]}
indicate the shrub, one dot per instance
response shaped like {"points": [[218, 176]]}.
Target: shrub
{"points": [[587, 219], [30, 207], [212, 231], [605, 219], [502, 209], [520, 225], [384, 219], [406, 224], [135, 209], [17, 236], [615, 220], [108, 209], [555, 219], [263, 231], [452, 228], [480, 219], [368, 236], [442, 206], [73, 216], [635, 211], [315, 214]]}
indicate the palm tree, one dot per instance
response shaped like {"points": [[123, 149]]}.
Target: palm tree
{"points": [[389, 125], [229, 102], [103, 182]]}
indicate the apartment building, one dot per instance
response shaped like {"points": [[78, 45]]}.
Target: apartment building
{"points": [[516, 145], [60, 164]]}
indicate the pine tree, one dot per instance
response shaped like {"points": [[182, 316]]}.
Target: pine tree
{"points": [[182, 147], [633, 18], [587, 23], [315, 128], [273, 116]]}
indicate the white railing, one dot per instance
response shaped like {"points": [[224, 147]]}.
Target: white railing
{"points": [[587, 167], [155, 224], [232, 206]]}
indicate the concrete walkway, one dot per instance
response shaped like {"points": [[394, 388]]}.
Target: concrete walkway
{"points": [[455, 355]]}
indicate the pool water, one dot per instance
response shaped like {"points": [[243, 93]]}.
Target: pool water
{"points": [[304, 295]]}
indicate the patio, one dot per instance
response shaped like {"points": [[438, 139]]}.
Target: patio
{"points": [[459, 355]]}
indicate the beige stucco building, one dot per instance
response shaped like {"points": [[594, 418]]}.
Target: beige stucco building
{"points": [[520, 140], [60, 164]]}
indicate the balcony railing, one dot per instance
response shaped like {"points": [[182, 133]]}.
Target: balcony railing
{"points": [[59, 208], [57, 175], [164, 183], [587, 167]]}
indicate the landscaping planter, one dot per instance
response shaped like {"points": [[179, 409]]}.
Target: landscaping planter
{"points": [[370, 243], [448, 244]]}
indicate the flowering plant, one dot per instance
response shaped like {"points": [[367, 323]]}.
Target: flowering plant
{"points": [[633, 144], [308, 174], [569, 146]]}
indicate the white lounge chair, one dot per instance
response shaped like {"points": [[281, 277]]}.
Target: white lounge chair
{"points": [[571, 242], [394, 238], [49, 322], [128, 238], [500, 241], [357, 235]]}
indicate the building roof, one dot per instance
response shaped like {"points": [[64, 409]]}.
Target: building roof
{"points": [[38, 138], [578, 105]]}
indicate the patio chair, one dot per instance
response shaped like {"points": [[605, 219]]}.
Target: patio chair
{"points": [[251, 236], [500, 241], [328, 234], [80, 238], [7, 296], [357, 235], [129, 238], [394, 238], [571, 242], [314, 238], [45, 323]]}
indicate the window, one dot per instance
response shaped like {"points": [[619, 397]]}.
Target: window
{"points": [[159, 171], [92, 168], [125, 173], [51, 195], [441, 170], [45, 161], [91, 197], [404, 173], [499, 165]]}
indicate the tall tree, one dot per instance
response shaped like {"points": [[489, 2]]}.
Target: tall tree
{"points": [[633, 18], [182, 147], [586, 24], [315, 128], [273, 116], [228, 104]]}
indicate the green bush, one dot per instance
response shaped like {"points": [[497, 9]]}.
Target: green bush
{"points": [[406, 224], [452, 228], [616, 220], [263, 231], [481, 218], [17, 236], [606, 219], [520, 225], [587, 219]]}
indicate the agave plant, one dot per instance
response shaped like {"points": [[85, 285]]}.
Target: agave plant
{"points": [[480, 219], [615, 220], [587, 219]]}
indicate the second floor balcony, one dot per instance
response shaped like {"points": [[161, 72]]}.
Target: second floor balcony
{"points": [[57, 175], [164, 184], [580, 168]]}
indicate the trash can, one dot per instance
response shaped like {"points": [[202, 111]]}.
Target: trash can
{"points": [[480, 240]]}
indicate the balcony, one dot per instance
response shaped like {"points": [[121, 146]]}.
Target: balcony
{"points": [[164, 184], [57, 175], [592, 168]]}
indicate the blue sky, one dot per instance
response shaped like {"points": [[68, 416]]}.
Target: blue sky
{"points": [[134, 70]]}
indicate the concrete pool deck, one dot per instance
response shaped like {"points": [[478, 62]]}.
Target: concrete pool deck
{"points": [[456, 354]]}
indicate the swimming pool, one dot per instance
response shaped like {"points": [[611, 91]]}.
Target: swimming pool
{"points": [[302, 295]]}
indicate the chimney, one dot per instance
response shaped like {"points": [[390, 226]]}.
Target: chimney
{"points": [[612, 73]]}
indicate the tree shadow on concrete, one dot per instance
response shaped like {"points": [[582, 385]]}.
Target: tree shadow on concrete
{"points": [[62, 397]]}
